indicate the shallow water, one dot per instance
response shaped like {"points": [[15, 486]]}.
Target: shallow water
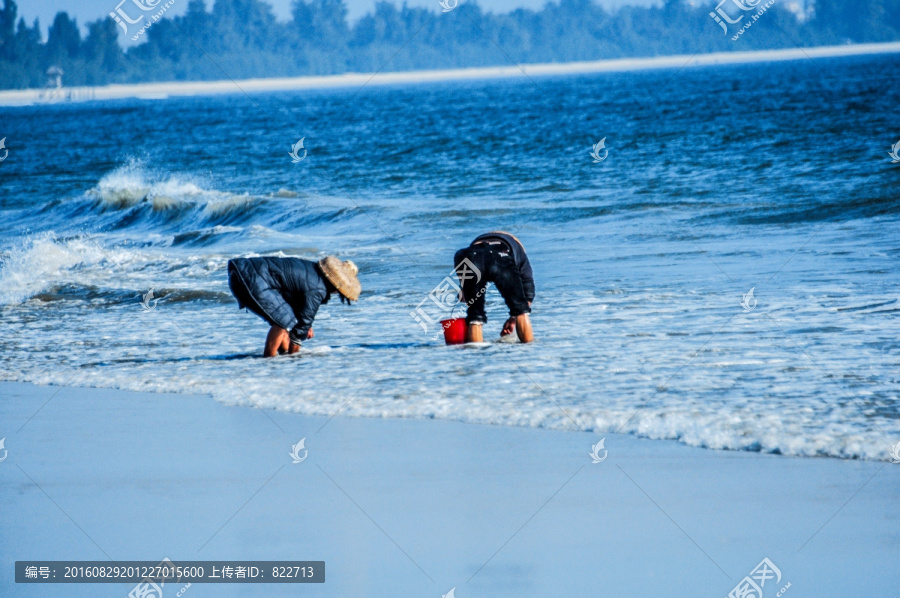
{"points": [[769, 176]]}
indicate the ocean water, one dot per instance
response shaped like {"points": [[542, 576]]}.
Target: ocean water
{"points": [[774, 177]]}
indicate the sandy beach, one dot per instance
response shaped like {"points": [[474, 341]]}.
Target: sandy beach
{"points": [[156, 91], [413, 507]]}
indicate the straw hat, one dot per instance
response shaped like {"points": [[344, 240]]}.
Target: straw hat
{"points": [[342, 275]]}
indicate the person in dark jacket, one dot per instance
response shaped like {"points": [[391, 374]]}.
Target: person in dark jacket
{"points": [[286, 292], [500, 258]]}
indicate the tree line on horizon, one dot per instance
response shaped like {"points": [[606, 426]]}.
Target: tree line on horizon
{"points": [[242, 38]]}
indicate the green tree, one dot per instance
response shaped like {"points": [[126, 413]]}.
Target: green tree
{"points": [[242, 38], [322, 23], [63, 39], [858, 21], [102, 52], [8, 29], [246, 24]]}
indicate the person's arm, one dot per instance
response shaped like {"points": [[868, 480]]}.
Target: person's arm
{"points": [[510, 325], [305, 313], [527, 276]]}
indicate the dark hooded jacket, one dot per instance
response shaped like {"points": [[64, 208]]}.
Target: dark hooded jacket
{"points": [[521, 259], [287, 290]]}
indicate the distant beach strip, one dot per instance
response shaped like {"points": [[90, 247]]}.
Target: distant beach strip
{"points": [[163, 90]]}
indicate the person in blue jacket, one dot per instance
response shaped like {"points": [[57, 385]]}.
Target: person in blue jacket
{"points": [[496, 257], [286, 292]]}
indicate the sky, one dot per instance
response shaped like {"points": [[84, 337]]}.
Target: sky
{"points": [[89, 10]]}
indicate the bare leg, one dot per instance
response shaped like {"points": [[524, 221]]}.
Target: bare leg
{"points": [[523, 328], [277, 341], [473, 334]]}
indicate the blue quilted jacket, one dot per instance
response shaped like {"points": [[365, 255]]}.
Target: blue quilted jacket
{"points": [[288, 291]]}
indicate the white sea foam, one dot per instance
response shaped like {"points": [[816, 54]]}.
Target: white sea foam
{"points": [[40, 261], [748, 389], [44, 261], [133, 183], [733, 430]]}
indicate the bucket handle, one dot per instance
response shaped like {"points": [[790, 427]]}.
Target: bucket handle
{"points": [[455, 307]]}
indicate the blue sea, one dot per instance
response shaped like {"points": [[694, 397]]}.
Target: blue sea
{"points": [[770, 177]]}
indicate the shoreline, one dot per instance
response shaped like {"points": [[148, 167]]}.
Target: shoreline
{"points": [[165, 90], [422, 506]]}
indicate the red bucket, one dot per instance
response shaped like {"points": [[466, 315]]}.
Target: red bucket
{"points": [[454, 331]]}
